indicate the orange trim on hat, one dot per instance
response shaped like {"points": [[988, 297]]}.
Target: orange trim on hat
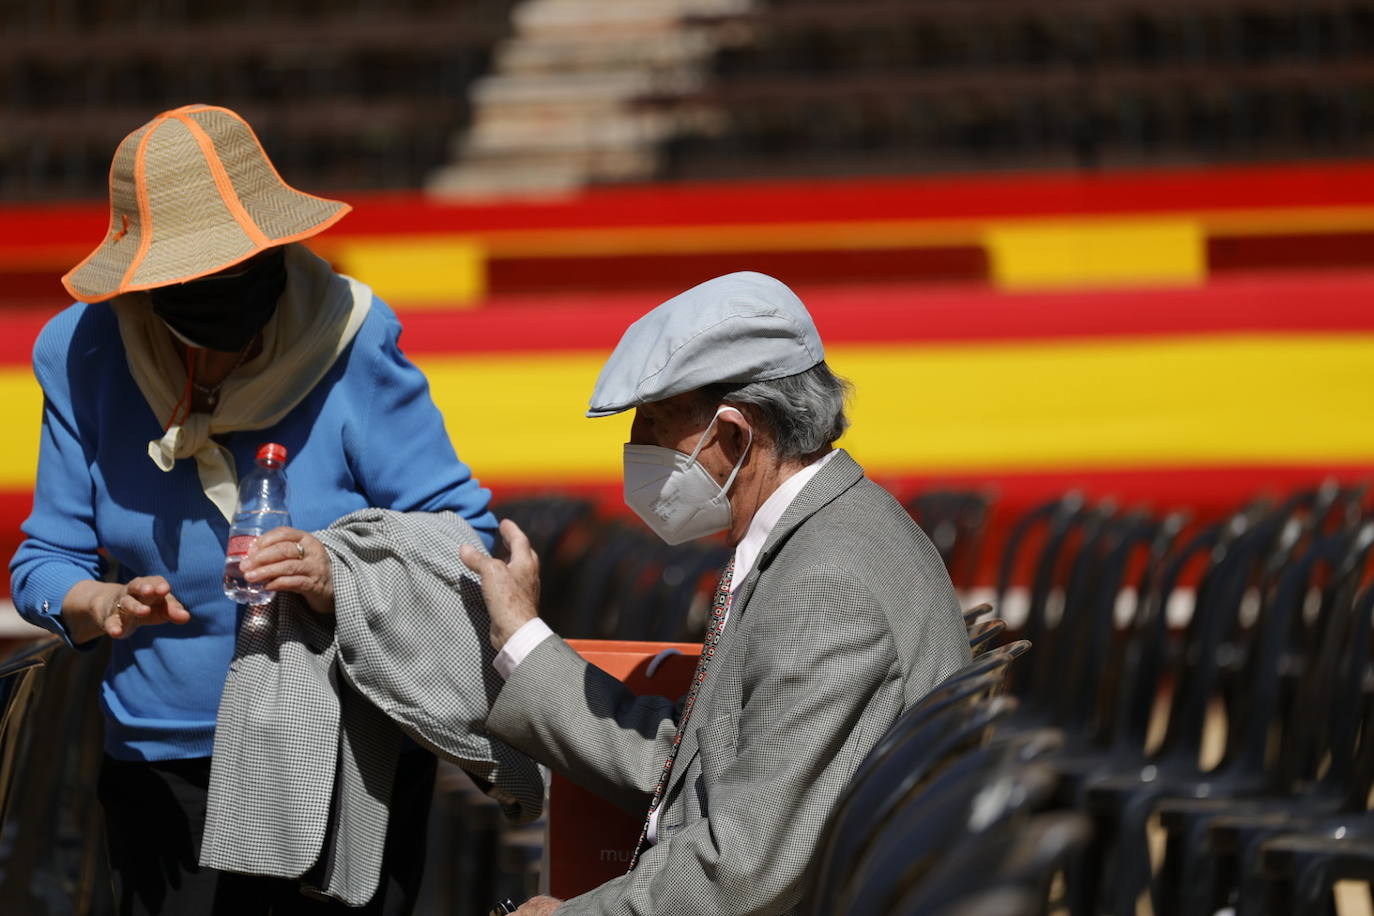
{"points": [[145, 208], [272, 166], [67, 277], [228, 194], [222, 182]]}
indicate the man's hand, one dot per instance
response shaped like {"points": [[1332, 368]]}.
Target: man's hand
{"points": [[538, 906], [511, 589]]}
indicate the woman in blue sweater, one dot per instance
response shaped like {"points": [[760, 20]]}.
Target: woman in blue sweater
{"points": [[204, 330]]}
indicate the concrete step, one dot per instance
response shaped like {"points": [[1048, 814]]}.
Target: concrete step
{"points": [[593, 89], [599, 52], [563, 131], [538, 16], [538, 173]]}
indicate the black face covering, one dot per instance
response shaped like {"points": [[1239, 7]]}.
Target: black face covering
{"points": [[224, 313]]}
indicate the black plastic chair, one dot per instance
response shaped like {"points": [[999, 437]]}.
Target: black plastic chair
{"points": [[1022, 857], [983, 678], [1119, 742], [1084, 683], [1301, 870], [976, 793], [1316, 771], [1123, 804], [982, 635], [658, 605], [978, 610], [18, 682], [921, 748], [52, 842], [955, 520], [1059, 519], [1002, 901], [1069, 568], [1235, 549]]}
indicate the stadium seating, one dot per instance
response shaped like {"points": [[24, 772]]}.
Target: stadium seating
{"points": [[364, 97], [497, 96]]}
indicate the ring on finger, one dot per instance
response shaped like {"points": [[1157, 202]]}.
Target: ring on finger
{"points": [[300, 550]]}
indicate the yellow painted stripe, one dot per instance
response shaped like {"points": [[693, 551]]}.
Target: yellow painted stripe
{"points": [[1199, 401], [440, 270], [1208, 401], [1056, 253], [519, 417], [21, 412], [1040, 405]]}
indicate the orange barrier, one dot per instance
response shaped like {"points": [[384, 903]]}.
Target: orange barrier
{"points": [[590, 840]]}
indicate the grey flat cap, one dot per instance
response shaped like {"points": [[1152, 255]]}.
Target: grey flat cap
{"points": [[742, 327]]}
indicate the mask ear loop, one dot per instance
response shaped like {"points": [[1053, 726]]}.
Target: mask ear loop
{"points": [[725, 488]]}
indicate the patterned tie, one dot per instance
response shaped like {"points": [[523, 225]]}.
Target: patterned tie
{"points": [[719, 606]]}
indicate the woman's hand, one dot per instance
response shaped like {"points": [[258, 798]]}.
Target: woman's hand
{"points": [[92, 608], [291, 560], [143, 602]]}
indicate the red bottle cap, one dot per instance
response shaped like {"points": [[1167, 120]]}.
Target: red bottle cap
{"points": [[272, 452]]}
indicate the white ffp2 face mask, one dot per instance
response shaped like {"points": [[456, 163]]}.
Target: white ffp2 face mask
{"points": [[674, 494]]}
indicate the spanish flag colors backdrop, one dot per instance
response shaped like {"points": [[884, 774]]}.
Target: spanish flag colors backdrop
{"points": [[1186, 338]]}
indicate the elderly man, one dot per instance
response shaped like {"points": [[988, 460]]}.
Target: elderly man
{"points": [[834, 615]]}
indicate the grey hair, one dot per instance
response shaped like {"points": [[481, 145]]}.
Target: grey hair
{"points": [[803, 413]]}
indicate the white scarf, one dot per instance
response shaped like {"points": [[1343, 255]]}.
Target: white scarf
{"points": [[317, 316]]}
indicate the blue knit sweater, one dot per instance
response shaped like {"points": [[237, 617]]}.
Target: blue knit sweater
{"points": [[367, 435]]}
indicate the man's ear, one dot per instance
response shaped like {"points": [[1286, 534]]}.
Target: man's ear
{"points": [[735, 433]]}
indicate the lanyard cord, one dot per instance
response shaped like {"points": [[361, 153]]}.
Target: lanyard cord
{"points": [[184, 403]]}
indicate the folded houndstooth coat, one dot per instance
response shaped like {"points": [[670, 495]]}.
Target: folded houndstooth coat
{"points": [[315, 707]]}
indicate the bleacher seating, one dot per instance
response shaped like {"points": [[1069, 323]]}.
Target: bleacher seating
{"points": [[809, 87], [350, 96], [496, 95]]}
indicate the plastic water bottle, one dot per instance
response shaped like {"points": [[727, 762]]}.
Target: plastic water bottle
{"points": [[262, 507]]}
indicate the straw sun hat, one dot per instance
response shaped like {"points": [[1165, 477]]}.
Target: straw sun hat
{"points": [[191, 193]]}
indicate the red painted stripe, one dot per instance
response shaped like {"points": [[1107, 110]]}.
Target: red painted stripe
{"points": [[15, 506], [1329, 303], [922, 198], [19, 327], [1332, 250], [908, 314], [734, 203], [524, 275]]}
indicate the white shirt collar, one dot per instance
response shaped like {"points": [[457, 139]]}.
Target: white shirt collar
{"points": [[766, 518]]}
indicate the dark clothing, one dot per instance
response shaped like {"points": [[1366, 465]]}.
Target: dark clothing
{"points": [[154, 815]]}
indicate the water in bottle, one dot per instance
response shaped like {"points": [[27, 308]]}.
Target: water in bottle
{"points": [[262, 507]]}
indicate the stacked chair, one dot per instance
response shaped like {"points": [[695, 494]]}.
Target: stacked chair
{"points": [[1242, 735], [1030, 781], [950, 810], [1244, 739]]}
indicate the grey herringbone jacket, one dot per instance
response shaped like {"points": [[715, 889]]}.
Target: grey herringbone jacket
{"points": [[315, 707], [847, 618]]}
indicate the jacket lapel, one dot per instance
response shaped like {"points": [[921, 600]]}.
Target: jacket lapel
{"points": [[839, 474]]}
